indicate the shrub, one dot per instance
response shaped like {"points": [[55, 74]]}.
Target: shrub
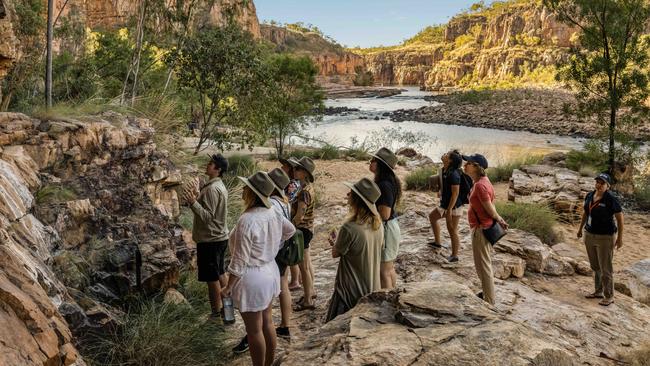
{"points": [[534, 218], [642, 193], [503, 172], [186, 218], [55, 194], [241, 165], [419, 179], [156, 333], [591, 156]]}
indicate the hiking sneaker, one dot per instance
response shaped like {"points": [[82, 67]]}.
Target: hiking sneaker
{"points": [[452, 259], [241, 347], [283, 332], [435, 245], [216, 317]]}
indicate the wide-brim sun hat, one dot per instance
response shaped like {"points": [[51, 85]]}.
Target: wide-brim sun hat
{"points": [[280, 180], [387, 157], [290, 161], [262, 185], [307, 165], [368, 191]]}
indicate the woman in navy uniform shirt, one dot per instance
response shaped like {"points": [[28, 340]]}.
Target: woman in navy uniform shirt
{"points": [[601, 207]]}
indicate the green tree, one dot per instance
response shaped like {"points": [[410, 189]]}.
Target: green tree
{"points": [[607, 68], [223, 70], [294, 95]]}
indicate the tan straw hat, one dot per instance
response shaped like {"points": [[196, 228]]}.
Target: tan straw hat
{"points": [[261, 184], [368, 191], [387, 157], [308, 165], [280, 180]]}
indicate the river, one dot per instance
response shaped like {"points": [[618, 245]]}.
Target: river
{"points": [[497, 145]]}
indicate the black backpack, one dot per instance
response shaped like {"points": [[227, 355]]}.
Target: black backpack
{"points": [[466, 185]]}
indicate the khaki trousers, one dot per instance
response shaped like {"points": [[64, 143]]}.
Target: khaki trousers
{"points": [[482, 249], [600, 249]]}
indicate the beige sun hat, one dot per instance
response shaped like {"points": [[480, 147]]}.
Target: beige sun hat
{"points": [[308, 165], [387, 157], [262, 185], [368, 191], [280, 180]]}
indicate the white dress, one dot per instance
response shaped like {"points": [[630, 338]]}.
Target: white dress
{"points": [[254, 243]]}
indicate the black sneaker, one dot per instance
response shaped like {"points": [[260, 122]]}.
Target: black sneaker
{"points": [[283, 332], [452, 259], [241, 347], [434, 245]]}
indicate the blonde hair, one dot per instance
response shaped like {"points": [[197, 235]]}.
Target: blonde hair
{"points": [[250, 198], [361, 214]]}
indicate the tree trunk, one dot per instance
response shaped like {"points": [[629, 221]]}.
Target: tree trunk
{"points": [[48, 62], [138, 46], [612, 143]]}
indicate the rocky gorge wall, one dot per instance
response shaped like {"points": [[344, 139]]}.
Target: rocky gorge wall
{"points": [[8, 42], [86, 219], [486, 46]]}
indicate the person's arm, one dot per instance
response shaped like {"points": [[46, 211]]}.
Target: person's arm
{"points": [[342, 244], [619, 223], [492, 212], [240, 251], [287, 229], [583, 221], [455, 191], [300, 212], [208, 211], [384, 212]]}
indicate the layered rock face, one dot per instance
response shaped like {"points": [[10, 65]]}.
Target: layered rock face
{"points": [[86, 214], [8, 42], [507, 42], [332, 60], [111, 13]]}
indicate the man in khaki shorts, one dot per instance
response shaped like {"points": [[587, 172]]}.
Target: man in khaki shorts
{"points": [[209, 231]]}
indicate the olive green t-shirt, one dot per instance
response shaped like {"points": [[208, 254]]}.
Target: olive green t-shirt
{"points": [[210, 213], [360, 249]]}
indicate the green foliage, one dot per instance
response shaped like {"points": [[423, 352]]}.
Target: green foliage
{"points": [[430, 35], [55, 194], [418, 179], [223, 71], [609, 68], [534, 218], [363, 78], [641, 193], [241, 165], [186, 218], [293, 96], [157, 333], [503, 172], [591, 156]]}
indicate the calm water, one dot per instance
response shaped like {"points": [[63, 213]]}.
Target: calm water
{"points": [[496, 145]]}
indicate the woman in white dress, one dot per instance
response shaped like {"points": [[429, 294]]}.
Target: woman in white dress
{"points": [[254, 277]]}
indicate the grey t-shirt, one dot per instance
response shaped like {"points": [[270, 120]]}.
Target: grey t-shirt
{"points": [[210, 213]]}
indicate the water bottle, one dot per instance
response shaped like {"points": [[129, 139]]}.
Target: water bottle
{"points": [[228, 311]]}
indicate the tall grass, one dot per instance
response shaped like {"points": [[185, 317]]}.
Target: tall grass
{"points": [[534, 218], [641, 193], [55, 194], [590, 159], [503, 172], [158, 333], [418, 179]]}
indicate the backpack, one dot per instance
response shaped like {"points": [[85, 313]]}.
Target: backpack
{"points": [[292, 251], [466, 185]]}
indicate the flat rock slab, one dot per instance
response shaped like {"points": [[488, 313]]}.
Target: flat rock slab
{"points": [[638, 281]]}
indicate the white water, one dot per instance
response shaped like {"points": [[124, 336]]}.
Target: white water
{"points": [[496, 145]]}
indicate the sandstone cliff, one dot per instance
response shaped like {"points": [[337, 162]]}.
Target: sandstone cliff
{"points": [[520, 39], [112, 13], [8, 42], [86, 215], [333, 61]]}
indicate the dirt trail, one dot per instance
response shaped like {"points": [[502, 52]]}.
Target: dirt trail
{"points": [[332, 210]]}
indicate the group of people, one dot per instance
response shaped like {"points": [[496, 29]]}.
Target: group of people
{"points": [[279, 202]]}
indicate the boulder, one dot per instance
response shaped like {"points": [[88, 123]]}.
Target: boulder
{"points": [[638, 281], [506, 265], [539, 257]]}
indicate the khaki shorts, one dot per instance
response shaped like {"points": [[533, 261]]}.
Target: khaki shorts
{"points": [[392, 237], [455, 212]]}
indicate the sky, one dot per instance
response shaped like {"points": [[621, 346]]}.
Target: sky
{"points": [[364, 23]]}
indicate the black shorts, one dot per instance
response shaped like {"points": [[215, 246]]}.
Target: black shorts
{"points": [[281, 267], [307, 235], [210, 260]]}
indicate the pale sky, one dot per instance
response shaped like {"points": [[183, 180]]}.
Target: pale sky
{"points": [[363, 23]]}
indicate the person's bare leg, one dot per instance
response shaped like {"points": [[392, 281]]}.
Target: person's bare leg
{"points": [[393, 275], [385, 276], [307, 284], [223, 280], [285, 300], [295, 276], [452, 228], [214, 293], [256, 343], [269, 335], [434, 216]]}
